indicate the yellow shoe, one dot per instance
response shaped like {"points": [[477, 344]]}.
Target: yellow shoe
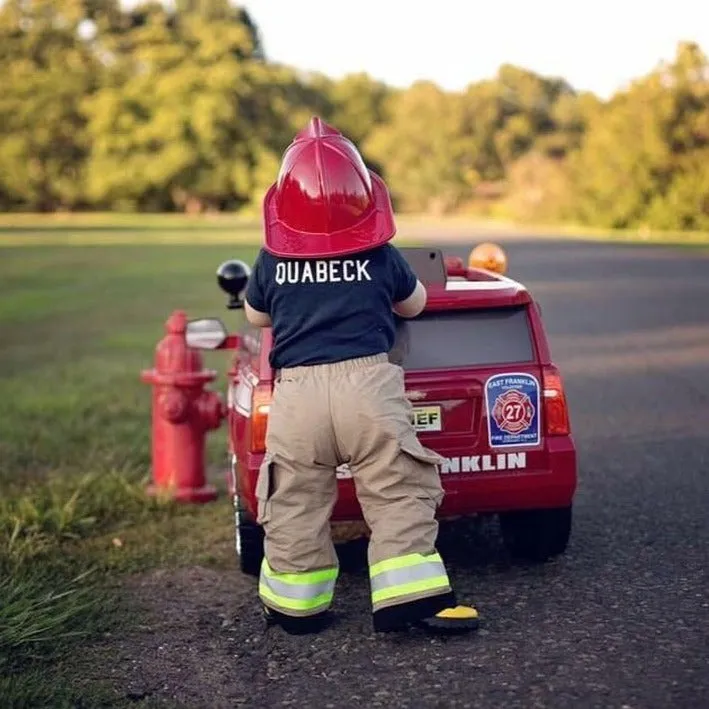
{"points": [[460, 619]]}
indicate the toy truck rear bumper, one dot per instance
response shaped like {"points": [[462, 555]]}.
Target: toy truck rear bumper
{"points": [[471, 493], [479, 493]]}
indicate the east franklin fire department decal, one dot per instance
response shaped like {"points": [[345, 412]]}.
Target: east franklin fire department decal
{"points": [[512, 402]]}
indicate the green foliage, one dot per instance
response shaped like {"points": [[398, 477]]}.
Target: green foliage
{"points": [[427, 159], [358, 105], [643, 160], [63, 539], [174, 107], [34, 615], [48, 598], [171, 111], [58, 511], [538, 188], [46, 71]]}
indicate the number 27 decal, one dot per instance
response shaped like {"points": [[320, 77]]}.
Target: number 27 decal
{"points": [[512, 404]]}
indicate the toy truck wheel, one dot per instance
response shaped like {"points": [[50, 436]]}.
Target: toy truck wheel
{"points": [[249, 541], [536, 535]]}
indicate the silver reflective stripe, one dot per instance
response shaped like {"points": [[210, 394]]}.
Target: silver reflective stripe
{"points": [[301, 592], [409, 574]]}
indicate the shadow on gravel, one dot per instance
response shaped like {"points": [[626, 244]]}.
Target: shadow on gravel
{"points": [[471, 544]]}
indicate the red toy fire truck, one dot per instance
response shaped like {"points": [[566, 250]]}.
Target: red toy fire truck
{"points": [[485, 394]]}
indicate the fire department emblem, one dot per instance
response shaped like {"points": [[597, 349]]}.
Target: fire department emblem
{"points": [[512, 403], [513, 411]]}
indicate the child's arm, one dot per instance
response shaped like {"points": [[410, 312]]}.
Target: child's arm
{"points": [[255, 306], [256, 317], [408, 293], [414, 304]]}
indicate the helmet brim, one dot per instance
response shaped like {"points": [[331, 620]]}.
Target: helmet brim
{"points": [[376, 229]]}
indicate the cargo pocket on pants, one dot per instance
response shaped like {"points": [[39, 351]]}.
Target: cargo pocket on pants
{"points": [[424, 468], [264, 489]]}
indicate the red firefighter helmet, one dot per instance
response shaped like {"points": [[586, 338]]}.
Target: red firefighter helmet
{"points": [[325, 201]]}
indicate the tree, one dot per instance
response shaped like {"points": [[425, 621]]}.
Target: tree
{"points": [[427, 158], [358, 105], [538, 188], [47, 69], [683, 203], [515, 112], [643, 158], [175, 107], [526, 102], [173, 125]]}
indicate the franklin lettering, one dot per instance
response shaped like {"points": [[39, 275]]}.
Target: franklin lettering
{"points": [[484, 463]]}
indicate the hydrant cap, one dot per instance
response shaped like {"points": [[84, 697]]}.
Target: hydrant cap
{"points": [[177, 323], [172, 355]]}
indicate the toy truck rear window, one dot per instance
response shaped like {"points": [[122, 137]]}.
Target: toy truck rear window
{"points": [[464, 338]]}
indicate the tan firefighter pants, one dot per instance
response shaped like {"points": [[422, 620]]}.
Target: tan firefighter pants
{"points": [[351, 412]]}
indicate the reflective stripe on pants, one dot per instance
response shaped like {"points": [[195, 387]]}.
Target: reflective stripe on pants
{"points": [[298, 594], [399, 579]]}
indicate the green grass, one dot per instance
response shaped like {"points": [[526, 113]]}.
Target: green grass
{"points": [[77, 326], [103, 228], [624, 236]]}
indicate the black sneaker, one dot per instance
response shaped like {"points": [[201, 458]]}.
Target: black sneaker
{"points": [[457, 619], [297, 625]]}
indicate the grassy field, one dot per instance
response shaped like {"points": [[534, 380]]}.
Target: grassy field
{"points": [[77, 325], [101, 228]]}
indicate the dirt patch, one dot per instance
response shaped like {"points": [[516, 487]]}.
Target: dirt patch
{"points": [[196, 639], [193, 628], [199, 640]]}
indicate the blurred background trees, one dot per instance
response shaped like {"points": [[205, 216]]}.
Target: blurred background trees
{"points": [[157, 109]]}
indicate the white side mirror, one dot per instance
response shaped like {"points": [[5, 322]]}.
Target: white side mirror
{"points": [[205, 334]]}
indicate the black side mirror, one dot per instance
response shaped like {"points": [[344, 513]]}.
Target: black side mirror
{"points": [[232, 277]]}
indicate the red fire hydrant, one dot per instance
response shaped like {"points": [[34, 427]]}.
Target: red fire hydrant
{"points": [[183, 413]]}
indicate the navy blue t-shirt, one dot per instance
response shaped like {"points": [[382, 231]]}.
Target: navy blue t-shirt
{"points": [[333, 309]]}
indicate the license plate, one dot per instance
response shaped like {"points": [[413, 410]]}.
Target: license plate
{"points": [[427, 418]]}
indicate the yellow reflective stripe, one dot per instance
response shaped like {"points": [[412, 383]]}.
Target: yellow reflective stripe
{"points": [[401, 562], [292, 590], [300, 579], [405, 589], [304, 604], [306, 591], [397, 577]]}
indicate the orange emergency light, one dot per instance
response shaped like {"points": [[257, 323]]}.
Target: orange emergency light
{"points": [[489, 256]]}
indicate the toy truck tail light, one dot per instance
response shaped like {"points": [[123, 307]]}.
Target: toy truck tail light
{"points": [[260, 405], [556, 411]]}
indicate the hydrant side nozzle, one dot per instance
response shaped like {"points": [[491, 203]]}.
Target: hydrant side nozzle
{"points": [[212, 410]]}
